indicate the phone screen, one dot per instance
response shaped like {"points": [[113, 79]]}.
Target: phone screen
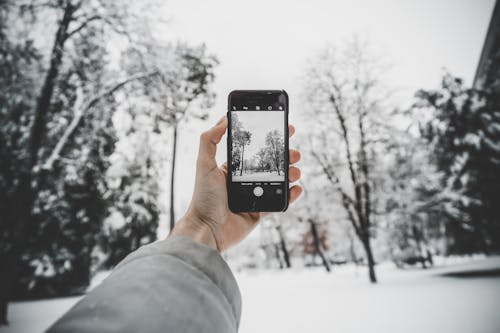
{"points": [[258, 151], [258, 146]]}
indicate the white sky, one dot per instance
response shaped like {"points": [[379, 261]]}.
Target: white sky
{"points": [[259, 123], [264, 44]]}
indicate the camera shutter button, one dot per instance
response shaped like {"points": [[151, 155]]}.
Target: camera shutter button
{"points": [[258, 191]]}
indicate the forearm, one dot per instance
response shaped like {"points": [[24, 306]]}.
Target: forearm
{"points": [[173, 285]]}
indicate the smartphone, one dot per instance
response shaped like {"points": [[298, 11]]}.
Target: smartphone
{"points": [[257, 151]]}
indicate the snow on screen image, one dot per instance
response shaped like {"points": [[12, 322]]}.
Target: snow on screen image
{"points": [[258, 148]]}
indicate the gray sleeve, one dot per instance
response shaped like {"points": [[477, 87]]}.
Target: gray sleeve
{"points": [[175, 285]]}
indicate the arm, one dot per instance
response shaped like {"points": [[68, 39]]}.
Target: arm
{"points": [[181, 284], [175, 285]]}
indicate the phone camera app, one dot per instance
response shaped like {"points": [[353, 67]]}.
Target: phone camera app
{"points": [[258, 147]]}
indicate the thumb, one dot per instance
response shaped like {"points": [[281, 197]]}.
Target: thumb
{"points": [[209, 140]]}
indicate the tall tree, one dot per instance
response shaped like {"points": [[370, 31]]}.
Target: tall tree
{"points": [[19, 66], [56, 161], [313, 240], [276, 148], [415, 202], [462, 126], [240, 139], [182, 90], [70, 206], [133, 182], [236, 126], [345, 94]]}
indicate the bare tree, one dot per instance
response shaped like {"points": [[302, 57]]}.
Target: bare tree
{"points": [[313, 241], [346, 96], [240, 138], [283, 246], [275, 148]]}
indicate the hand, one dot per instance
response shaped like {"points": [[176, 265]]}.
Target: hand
{"points": [[208, 219]]}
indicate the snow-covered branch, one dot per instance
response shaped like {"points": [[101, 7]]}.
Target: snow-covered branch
{"points": [[80, 109]]}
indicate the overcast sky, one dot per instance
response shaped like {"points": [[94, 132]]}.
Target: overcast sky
{"points": [[264, 44]]}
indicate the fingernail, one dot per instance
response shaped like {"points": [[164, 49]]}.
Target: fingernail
{"points": [[221, 120]]}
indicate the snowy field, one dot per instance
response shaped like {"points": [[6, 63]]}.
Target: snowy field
{"points": [[310, 300], [259, 177], [343, 301]]}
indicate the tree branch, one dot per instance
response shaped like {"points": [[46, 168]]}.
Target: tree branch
{"points": [[354, 179], [84, 24], [80, 111], [347, 201]]}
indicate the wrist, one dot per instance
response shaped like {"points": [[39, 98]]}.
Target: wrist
{"points": [[191, 227]]}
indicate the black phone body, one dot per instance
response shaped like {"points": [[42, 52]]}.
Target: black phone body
{"points": [[257, 151]]}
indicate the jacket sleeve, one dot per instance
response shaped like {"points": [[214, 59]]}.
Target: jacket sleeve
{"points": [[175, 285]]}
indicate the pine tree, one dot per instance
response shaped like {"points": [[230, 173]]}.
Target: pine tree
{"points": [[464, 133], [19, 67], [57, 112]]}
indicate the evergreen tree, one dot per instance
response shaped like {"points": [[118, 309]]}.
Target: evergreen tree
{"points": [[19, 67], [182, 89], [55, 138], [464, 133], [133, 181], [70, 206]]}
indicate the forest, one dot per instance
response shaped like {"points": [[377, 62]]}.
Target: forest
{"points": [[267, 161], [91, 108]]}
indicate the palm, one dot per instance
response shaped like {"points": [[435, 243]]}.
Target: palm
{"points": [[235, 226]]}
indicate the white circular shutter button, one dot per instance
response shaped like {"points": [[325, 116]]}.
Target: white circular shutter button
{"points": [[258, 191]]}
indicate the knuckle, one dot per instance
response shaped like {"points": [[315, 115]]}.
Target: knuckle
{"points": [[204, 136]]}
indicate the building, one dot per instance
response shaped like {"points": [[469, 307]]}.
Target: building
{"points": [[490, 47]]}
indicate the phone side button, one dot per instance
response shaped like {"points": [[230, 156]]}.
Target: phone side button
{"points": [[258, 191]]}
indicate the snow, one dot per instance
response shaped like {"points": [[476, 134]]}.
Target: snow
{"points": [[311, 300], [260, 177], [36, 316], [115, 220], [343, 301]]}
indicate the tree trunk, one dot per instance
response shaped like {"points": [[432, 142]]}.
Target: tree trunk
{"points": [[242, 163], [3, 312], [417, 235], [317, 245], [284, 249], [369, 257], [6, 286], [10, 267], [172, 179], [277, 253], [25, 195], [45, 96], [352, 250]]}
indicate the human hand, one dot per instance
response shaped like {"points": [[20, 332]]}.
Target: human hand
{"points": [[208, 219]]}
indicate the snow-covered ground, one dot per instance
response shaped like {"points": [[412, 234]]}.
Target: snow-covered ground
{"points": [[343, 301], [36, 316], [311, 300], [259, 177]]}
